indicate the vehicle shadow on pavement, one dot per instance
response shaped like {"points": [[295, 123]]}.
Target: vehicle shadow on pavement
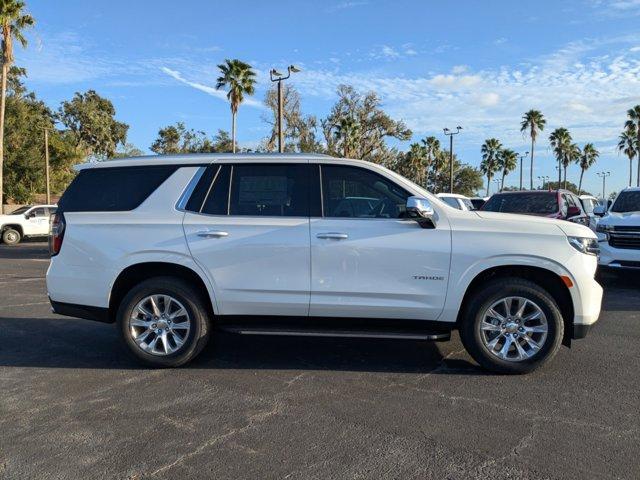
{"points": [[54, 343]]}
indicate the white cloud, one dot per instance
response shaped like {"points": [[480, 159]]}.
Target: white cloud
{"points": [[346, 5], [220, 94]]}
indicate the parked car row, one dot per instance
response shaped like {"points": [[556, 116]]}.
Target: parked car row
{"points": [[25, 222]]}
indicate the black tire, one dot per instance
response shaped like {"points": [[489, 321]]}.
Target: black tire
{"points": [[493, 291], [11, 236], [193, 303]]}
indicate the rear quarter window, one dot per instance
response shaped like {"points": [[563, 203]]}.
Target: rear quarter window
{"points": [[113, 189]]}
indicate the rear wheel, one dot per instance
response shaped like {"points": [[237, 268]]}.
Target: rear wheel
{"points": [[11, 236], [163, 322], [512, 326]]}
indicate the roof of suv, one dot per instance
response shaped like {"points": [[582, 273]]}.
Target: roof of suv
{"points": [[199, 158]]}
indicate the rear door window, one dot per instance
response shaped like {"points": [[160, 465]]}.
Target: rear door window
{"points": [[113, 189]]}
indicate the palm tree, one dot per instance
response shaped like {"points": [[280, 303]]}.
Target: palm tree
{"points": [[587, 159], [634, 119], [489, 165], [628, 144], [560, 140], [534, 122], [347, 131], [13, 22], [240, 80], [432, 148], [507, 162]]}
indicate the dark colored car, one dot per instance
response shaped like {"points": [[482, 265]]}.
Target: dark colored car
{"points": [[478, 202], [561, 204]]}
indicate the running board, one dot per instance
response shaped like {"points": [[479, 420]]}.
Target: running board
{"points": [[397, 335]]}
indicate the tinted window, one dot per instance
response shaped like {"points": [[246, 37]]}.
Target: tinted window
{"points": [[38, 212], [360, 193], [216, 201], [270, 190], [477, 202], [20, 210], [451, 201], [627, 202], [587, 205], [543, 203], [113, 189], [201, 189]]}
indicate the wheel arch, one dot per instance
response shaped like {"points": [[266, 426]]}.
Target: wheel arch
{"points": [[15, 226], [135, 273], [546, 278]]}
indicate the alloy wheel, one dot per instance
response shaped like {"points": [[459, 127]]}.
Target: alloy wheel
{"points": [[514, 329], [159, 325]]}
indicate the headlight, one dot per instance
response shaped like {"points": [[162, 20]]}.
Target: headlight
{"points": [[585, 245]]}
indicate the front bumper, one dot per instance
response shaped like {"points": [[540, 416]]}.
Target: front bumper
{"points": [[612, 257]]}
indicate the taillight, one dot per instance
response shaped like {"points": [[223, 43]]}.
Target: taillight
{"points": [[56, 234]]}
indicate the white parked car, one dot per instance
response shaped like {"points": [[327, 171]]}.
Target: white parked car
{"points": [[589, 202], [619, 230], [171, 248], [29, 221], [456, 201]]}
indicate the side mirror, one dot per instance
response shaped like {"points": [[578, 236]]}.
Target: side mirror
{"points": [[420, 210], [29, 215], [573, 211], [599, 210]]}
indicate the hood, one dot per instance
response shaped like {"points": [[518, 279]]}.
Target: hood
{"points": [[539, 223], [627, 218], [8, 216]]}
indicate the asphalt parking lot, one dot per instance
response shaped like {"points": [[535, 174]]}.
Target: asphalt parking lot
{"points": [[73, 405]]}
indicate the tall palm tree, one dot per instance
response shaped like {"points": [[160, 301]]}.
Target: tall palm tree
{"points": [[587, 159], [432, 149], [489, 165], [628, 144], [13, 22], [572, 155], [507, 162], [347, 131], [534, 122], [560, 140], [634, 119], [240, 80]]}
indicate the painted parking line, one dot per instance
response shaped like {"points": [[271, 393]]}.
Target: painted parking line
{"points": [[25, 304]]}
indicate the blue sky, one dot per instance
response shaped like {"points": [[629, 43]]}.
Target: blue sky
{"points": [[478, 64]]}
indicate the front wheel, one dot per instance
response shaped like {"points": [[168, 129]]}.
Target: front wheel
{"points": [[11, 236], [163, 322], [512, 326]]}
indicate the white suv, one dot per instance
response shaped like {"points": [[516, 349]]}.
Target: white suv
{"points": [[28, 221], [170, 248], [619, 230]]}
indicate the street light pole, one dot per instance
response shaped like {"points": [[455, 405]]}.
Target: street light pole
{"points": [[450, 134], [524, 155], [604, 176], [497, 181], [276, 76]]}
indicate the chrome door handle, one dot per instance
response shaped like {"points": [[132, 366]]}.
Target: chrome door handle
{"points": [[333, 235], [213, 234]]}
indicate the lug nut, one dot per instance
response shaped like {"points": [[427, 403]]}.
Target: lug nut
{"points": [[154, 325]]}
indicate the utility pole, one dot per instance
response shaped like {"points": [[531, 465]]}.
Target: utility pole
{"points": [[450, 134], [276, 76], [46, 161], [523, 155], [604, 176]]}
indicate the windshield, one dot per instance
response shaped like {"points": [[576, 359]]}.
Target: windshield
{"points": [[543, 203], [627, 202], [20, 210]]}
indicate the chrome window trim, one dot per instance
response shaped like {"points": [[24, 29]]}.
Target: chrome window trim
{"points": [[186, 193]]}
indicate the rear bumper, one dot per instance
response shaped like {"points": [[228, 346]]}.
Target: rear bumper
{"points": [[86, 312]]}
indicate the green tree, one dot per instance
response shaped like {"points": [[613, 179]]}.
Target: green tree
{"points": [[91, 120], [628, 144], [560, 140], [128, 150], [588, 157], [176, 139], [239, 79], [432, 150], [634, 120], [507, 162], [375, 126], [13, 21], [347, 133], [533, 122], [490, 153], [411, 164], [299, 129], [573, 155]]}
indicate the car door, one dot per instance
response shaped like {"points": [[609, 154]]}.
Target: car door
{"points": [[247, 225], [376, 264], [37, 222]]}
